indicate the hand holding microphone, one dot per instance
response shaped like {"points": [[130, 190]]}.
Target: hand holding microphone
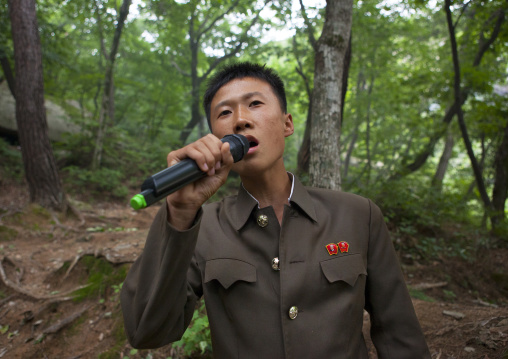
{"points": [[171, 179]]}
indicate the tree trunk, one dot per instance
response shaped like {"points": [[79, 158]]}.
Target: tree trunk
{"points": [[324, 169], [367, 134], [483, 46], [195, 39], [40, 167], [437, 181], [500, 191], [303, 158], [7, 70], [457, 92], [106, 112]]}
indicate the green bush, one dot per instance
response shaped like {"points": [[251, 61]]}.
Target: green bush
{"points": [[101, 275], [196, 339], [103, 181], [12, 162]]}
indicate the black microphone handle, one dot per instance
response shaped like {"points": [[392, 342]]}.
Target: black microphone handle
{"points": [[181, 174]]}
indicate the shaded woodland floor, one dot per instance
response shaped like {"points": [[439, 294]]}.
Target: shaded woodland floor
{"points": [[462, 305]]}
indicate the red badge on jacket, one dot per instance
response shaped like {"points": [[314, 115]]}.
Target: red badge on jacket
{"points": [[332, 248], [343, 246]]}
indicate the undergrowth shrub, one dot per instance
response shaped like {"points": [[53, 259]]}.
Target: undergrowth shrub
{"points": [[104, 181], [126, 162], [11, 163], [101, 276], [427, 223], [197, 339]]}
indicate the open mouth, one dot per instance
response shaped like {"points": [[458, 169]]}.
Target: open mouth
{"points": [[253, 143]]}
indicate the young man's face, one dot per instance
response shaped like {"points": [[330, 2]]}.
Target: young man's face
{"points": [[249, 107]]}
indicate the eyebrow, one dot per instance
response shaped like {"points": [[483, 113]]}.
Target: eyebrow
{"points": [[243, 97]]}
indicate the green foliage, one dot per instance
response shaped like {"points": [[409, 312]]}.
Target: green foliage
{"points": [[12, 164], [7, 233], [399, 88], [197, 338], [449, 295], [419, 294], [102, 181], [101, 275], [123, 165]]}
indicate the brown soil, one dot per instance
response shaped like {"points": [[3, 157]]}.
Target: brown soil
{"points": [[465, 314]]}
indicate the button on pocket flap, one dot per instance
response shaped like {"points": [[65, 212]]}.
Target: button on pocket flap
{"points": [[346, 269], [227, 271]]}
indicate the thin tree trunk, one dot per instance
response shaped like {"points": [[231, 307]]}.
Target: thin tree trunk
{"points": [[500, 191], [437, 180], [106, 112], [40, 167], [457, 92], [360, 82], [324, 169], [7, 70], [303, 157], [195, 36], [367, 135], [422, 156]]}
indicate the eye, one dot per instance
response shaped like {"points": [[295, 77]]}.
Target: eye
{"points": [[224, 113], [255, 103]]}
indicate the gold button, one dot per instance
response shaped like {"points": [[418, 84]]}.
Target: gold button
{"points": [[293, 312], [262, 220], [275, 263]]}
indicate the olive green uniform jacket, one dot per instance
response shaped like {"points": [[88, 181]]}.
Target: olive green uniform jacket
{"points": [[311, 307]]}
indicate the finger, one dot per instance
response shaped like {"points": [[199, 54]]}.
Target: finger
{"points": [[205, 152], [226, 156], [214, 146]]}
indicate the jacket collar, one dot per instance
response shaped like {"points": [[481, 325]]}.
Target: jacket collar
{"points": [[245, 204]]}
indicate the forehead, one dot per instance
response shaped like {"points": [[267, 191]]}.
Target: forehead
{"points": [[237, 89]]}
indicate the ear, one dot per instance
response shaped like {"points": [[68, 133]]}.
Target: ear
{"points": [[289, 128]]}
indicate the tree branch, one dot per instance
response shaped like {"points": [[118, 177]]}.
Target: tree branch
{"points": [[421, 158], [237, 47], [461, 13], [467, 142], [309, 27], [124, 11], [101, 35], [299, 69], [179, 69], [202, 31], [483, 45], [7, 69]]}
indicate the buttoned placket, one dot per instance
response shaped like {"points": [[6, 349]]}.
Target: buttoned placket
{"points": [[264, 218]]}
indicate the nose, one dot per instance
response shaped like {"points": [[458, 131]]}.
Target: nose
{"points": [[242, 121]]}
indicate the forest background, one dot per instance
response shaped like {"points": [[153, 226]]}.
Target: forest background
{"points": [[422, 128]]}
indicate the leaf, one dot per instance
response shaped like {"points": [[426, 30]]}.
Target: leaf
{"points": [[4, 329]]}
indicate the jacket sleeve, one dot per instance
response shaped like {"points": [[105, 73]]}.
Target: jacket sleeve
{"points": [[395, 330], [160, 291]]}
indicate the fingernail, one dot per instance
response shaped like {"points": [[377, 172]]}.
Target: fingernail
{"points": [[206, 167], [211, 172], [217, 165]]}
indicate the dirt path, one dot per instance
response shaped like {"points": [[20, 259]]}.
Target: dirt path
{"points": [[43, 262]]}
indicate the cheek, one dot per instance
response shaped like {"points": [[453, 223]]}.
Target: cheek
{"points": [[219, 130]]}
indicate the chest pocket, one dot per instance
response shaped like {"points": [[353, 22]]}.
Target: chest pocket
{"points": [[346, 269], [228, 271]]}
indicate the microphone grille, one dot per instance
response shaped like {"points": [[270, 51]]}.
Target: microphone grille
{"points": [[239, 145]]}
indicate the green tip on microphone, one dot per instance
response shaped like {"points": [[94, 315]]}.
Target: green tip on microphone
{"points": [[138, 201]]}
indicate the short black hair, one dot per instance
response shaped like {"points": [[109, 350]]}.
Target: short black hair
{"points": [[240, 70]]}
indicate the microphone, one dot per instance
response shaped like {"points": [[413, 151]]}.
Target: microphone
{"points": [[171, 179]]}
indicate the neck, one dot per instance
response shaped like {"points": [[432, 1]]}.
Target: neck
{"points": [[270, 189]]}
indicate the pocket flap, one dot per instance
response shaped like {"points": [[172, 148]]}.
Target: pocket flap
{"points": [[346, 269], [227, 271]]}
